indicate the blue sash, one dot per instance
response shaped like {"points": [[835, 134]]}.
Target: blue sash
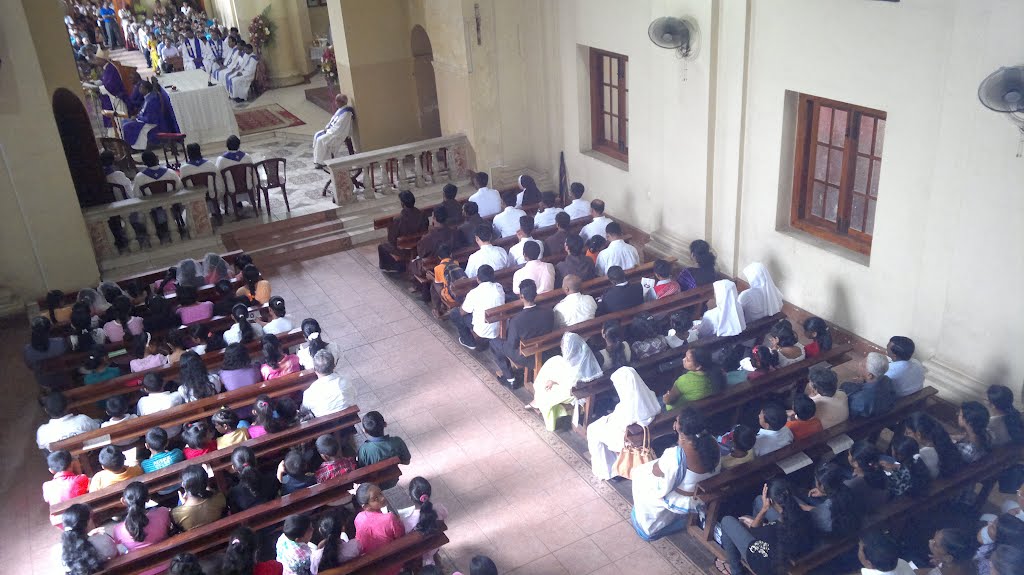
{"points": [[234, 156], [155, 173]]}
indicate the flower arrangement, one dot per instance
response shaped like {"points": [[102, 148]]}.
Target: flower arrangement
{"points": [[328, 65], [261, 30]]}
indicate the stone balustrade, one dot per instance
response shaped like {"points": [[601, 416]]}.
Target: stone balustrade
{"points": [[142, 224], [407, 166]]}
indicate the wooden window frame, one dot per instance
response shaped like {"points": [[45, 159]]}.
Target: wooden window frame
{"points": [[598, 141], [801, 218]]}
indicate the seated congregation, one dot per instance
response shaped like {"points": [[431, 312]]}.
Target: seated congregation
{"points": [[765, 445]]}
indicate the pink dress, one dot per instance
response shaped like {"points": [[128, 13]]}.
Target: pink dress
{"points": [[156, 531], [115, 333], [290, 364], [256, 431], [376, 529], [196, 313], [170, 288], [148, 362]]}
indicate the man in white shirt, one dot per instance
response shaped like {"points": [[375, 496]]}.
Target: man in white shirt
{"points": [[618, 252], [773, 434], [597, 226], [549, 211], [331, 392], [153, 172], [507, 222], [907, 374], [542, 273], [488, 200], [238, 85], [575, 307], [168, 50], [525, 235], [494, 256], [233, 157], [832, 406], [469, 318], [578, 208], [62, 424], [879, 553]]}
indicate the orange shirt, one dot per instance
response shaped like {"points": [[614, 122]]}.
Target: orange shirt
{"points": [[439, 271], [592, 255], [262, 291], [802, 429]]}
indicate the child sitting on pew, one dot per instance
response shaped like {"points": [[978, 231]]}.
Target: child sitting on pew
{"points": [[62, 424], [240, 556], [338, 458], [294, 550], [906, 472], [334, 547], [374, 526], [293, 473], [802, 421], [279, 363], [227, 423], [198, 504], [199, 439], [740, 448], [96, 368], [254, 486], [159, 456], [762, 361], [67, 482], [869, 483], [84, 550], [117, 409], [156, 397], [114, 469], [148, 352], [936, 448], [594, 246], [424, 513], [773, 434], [379, 446], [141, 527], [832, 505]]}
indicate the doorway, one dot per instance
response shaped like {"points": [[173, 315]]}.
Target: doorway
{"points": [[426, 85]]}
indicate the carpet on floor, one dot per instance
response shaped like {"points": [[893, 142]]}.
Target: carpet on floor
{"points": [[265, 119]]}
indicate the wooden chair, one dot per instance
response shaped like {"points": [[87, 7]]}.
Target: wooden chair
{"points": [[274, 175], [122, 155], [238, 179], [173, 144]]}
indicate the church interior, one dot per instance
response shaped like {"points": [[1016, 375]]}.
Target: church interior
{"points": [[308, 228]]}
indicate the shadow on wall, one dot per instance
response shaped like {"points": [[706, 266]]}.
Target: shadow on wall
{"points": [[840, 305]]}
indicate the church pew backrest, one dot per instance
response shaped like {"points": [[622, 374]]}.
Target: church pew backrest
{"points": [[410, 547], [136, 427], [203, 540], [268, 448], [82, 396]]}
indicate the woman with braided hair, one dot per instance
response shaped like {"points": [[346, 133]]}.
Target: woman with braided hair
{"points": [[141, 527]]}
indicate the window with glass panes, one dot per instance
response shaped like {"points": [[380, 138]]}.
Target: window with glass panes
{"points": [[608, 104], [836, 173]]}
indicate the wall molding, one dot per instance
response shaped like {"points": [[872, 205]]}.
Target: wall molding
{"points": [[953, 384]]}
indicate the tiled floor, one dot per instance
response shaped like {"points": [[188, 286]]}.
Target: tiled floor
{"points": [[514, 491]]}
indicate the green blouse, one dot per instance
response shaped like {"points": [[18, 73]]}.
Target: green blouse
{"points": [[692, 386]]}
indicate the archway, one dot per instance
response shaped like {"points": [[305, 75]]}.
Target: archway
{"points": [[80, 149], [426, 85]]}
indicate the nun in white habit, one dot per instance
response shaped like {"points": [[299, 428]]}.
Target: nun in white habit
{"points": [[552, 387], [726, 318], [763, 299], [606, 436]]}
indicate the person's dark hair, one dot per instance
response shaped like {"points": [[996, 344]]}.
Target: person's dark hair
{"points": [[485, 274], [574, 244], [251, 275], [420, 492], [296, 525], [596, 243], [106, 158], [236, 356], [295, 462], [795, 527], [197, 434], [508, 197], [53, 301], [846, 514], [225, 417], [111, 458], [373, 424], [1009, 530], [176, 340], [153, 382], [597, 206], [716, 375], [58, 461], [81, 326], [79, 555], [470, 208], [41, 333], [976, 417], [309, 327], [824, 380], [1007, 560], [116, 406], [950, 460], [407, 199], [192, 152], [960, 544], [680, 321], [187, 295], [881, 550], [701, 253], [905, 450], [327, 445], [662, 268], [185, 564], [263, 412], [244, 461], [764, 358], [549, 199], [170, 275], [616, 275], [784, 332], [450, 191], [149, 158], [484, 232], [692, 424], [613, 229], [822, 333], [774, 415], [233, 143], [526, 225], [867, 457], [441, 214], [528, 289], [329, 528], [644, 327], [1001, 398], [195, 482], [240, 556], [223, 287], [286, 411], [804, 407], [562, 220], [744, 437], [481, 178], [615, 344], [444, 250], [531, 251], [55, 405], [482, 565], [193, 376], [156, 439], [530, 189], [902, 347], [135, 521], [272, 350]]}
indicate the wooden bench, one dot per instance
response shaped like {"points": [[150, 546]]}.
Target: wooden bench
{"points": [[83, 397], [747, 476], [271, 447], [409, 548], [135, 428], [213, 536]]}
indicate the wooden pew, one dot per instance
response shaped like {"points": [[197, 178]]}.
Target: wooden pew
{"points": [[272, 447], [537, 346], [409, 548], [899, 512], [747, 476], [84, 396], [136, 427], [203, 540]]}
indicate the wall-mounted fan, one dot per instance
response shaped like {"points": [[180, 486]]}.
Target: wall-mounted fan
{"points": [[1003, 91], [679, 34]]}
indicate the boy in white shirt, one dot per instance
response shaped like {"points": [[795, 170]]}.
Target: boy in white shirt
{"points": [[597, 226], [488, 200], [493, 256], [618, 252], [62, 424], [469, 319], [507, 222], [578, 208], [525, 235], [546, 216], [774, 434]]}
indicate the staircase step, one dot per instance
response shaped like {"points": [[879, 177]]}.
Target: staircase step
{"points": [[309, 248]]}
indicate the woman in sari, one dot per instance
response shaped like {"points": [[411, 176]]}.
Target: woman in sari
{"points": [[763, 298], [606, 436], [663, 489], [552, 388], [726, 318]]}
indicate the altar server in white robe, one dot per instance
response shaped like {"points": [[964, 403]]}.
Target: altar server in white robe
{"points": [[193, 50], [214, 53], [726, 318], [762, 298], [196, 165], [238, 86], [152, 173], [330, 142], [606, 436], [233, 157], [618, 252], [230, 57], [115, 176]]}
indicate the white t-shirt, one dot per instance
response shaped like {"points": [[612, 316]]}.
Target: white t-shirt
{"points": [[546, 217], [902, 568], [578, 208], [488, 201], [234, 334], [618, 253], [480, 299], [329, 394], [768, 441], [507, 222], [154, 402], [306, 360], [494, 256], [64, 427], [595, 228], [516, 251], [279, 325]]}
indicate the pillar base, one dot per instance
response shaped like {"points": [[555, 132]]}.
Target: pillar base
{"points": [[953, 385]]}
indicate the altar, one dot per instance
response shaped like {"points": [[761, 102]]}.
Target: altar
{"points": [[205, 113]]}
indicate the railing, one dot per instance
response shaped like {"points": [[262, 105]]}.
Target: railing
{"points": [[142, 223], [407, 166]]}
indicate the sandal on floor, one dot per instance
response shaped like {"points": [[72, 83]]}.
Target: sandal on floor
{"points": [[722, 567]]}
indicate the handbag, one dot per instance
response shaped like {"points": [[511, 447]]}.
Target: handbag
{"points": [[632, 456]]}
